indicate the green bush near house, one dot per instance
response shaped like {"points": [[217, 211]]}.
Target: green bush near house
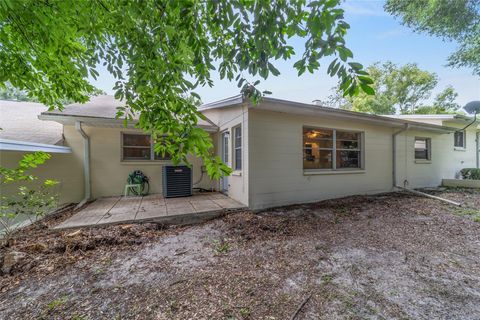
{"points": [[34, 198], [470, 173]]}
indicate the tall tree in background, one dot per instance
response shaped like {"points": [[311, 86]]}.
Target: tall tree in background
{"points": [[160, 51], [457, 20], [402, 89]]}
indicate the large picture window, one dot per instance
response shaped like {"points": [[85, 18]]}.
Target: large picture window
{"points": [[237, 148], [137, 146], [331, 149]]}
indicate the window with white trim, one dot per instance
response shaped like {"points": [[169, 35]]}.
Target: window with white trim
{"points": [[139, 147], [332, 149], [423, 148], [459, 139], [237, 148]]}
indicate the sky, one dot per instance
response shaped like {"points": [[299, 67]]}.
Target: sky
{"points": [[374, 36]]}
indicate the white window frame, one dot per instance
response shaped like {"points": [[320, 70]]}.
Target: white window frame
{"points": [[334, 149], [428, 144], [464, 132], [152, 152], [235, 148]]}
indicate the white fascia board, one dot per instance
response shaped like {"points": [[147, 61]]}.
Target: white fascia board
{"points": [[15, 145]]}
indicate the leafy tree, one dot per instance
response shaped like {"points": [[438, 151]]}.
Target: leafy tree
{"points": [[444, 103], [160, 51], [401, 88], [32, 199], [457, 20], [8, 92]]}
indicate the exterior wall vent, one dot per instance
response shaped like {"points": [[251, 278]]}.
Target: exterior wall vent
{"points": [[177, 181]]}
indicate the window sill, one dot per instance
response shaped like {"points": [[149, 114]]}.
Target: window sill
{"points": [[423, 161], [460, 149], [237, 173], [327, 172]]}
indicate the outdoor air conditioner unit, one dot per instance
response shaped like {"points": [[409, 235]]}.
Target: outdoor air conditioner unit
{"points": [[177, 181]]}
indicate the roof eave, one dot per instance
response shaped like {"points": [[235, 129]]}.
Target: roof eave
{"points": [[26, 146], [103, 122]]}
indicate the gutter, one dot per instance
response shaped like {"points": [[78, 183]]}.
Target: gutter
{"points": [[394, 153], [86, 164]]}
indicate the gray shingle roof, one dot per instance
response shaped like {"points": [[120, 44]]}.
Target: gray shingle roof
{"points": [[19, 121], [100, 107]]}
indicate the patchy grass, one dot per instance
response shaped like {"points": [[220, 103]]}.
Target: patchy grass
{"points": [[387, 256]]}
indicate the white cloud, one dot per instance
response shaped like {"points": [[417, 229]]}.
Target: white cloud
{"points": [[364, 8]]}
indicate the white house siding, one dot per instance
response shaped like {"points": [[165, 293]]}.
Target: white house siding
{"points": [[108, 172], [226, 119], [63, 167], [276, 161], [445, 163]]}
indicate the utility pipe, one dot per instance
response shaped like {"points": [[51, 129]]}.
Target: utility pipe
{"points": [[86, 164], [394, 153], [430, 196]]}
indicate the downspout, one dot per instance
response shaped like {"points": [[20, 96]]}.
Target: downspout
{"points": [[394, 171], [394, 153], [86, 164]]}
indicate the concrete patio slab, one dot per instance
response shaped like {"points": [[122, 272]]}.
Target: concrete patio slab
{"points": [[152, 208]]}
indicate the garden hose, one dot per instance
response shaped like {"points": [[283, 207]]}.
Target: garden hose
{"points": [[137, 177]]}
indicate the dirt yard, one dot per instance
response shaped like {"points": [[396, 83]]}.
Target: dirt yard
{"points": [[393, 256]]}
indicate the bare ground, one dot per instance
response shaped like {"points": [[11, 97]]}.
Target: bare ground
{"points": [[392, 256]]}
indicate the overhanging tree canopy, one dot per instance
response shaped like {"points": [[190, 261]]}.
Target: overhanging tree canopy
{"points": [[160, 51]]}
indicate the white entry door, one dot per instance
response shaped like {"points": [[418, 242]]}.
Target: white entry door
{"points": [[224, 150]]}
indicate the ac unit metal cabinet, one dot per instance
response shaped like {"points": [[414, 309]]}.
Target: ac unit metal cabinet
{"points": [[177, 181]]}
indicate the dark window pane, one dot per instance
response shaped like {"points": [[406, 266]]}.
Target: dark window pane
{"points": [[347, 144], [317, 159], [348, 159], [136, 153], [139, 140], [238, 159], [459, 138]]}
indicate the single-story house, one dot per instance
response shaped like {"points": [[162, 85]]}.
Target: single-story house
{"points": [[281, 152]]}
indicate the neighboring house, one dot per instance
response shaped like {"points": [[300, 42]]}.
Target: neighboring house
{"points": [[281, 152], [22, 132]]}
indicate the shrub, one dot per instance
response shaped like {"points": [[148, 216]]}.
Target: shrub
{"points": [[33, 198], [470, 173]]}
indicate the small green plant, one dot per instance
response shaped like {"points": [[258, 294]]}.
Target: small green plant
{"points": [[221, 246], [470, 173], [33, 198], [327, 278], [57, 302], [244, 313]]}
